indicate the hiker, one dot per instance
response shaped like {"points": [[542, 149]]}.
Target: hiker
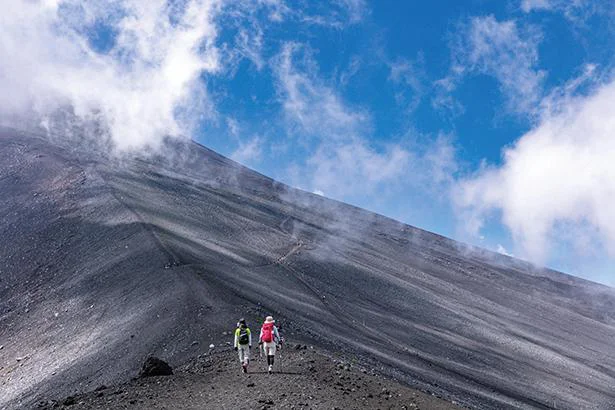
{"points": [[243, 344], [270, 339]]}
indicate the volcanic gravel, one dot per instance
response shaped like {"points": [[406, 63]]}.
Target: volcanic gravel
{"points": [[106, 260], [303, 379]]}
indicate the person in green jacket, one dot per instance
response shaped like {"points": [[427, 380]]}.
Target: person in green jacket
{"points": [[243, 344]]}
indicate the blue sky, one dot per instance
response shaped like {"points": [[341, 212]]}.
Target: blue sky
{"points": [[485, 121]]}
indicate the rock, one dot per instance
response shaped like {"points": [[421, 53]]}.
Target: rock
{"points": [[155, 367], [45, 404], [101, 387], [194, 343], [211, 346], [69, 401]]}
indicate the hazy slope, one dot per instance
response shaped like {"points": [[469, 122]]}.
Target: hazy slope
{"points": [[105, 261]]}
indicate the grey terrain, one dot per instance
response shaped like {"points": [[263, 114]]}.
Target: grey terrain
{"points": [[105, 260], [303, 379]]}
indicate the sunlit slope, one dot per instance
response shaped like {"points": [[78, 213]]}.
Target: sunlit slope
{"points": [[105, 261]]}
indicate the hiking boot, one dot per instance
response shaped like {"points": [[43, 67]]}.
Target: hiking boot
{"points": [[270, 369], [244, 368]]}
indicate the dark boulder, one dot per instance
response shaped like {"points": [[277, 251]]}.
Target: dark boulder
{"points": [[153, 366], [69, 401]]}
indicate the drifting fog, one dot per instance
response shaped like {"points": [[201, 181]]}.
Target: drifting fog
{"points": [[138, 81], [556, 183]]}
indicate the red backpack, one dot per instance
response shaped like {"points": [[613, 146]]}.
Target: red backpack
{"points": [[267, 332]]}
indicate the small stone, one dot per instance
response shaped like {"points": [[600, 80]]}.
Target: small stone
{"points": [[69, 401], [194, 343]]}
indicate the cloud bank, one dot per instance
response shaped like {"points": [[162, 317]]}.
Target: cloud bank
{"points": [[556, 183], [130, 67]]}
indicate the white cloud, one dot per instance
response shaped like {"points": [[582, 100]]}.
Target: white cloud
{"points": [[249, 151], [336, 14], [352, 69], [501, 249], [556, 183], [354, 167], [529, 5], [410, 75], [576, 11], [143, 87], [500, 49], [356, 9], [310, 106], [341, 160]]}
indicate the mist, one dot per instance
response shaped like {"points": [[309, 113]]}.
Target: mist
{"points": [[130, 69], [556, 184]]}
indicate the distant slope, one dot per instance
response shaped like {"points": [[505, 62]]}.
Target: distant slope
{"points": [[103, 261]]}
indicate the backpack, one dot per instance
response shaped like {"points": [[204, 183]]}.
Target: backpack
{"points": [[244, 336], [267, 332]]}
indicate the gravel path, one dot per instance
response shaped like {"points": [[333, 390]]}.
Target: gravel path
{"points": [[304, 379]]}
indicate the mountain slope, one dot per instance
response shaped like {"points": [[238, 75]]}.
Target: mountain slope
{"points": [[106, 260]]}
